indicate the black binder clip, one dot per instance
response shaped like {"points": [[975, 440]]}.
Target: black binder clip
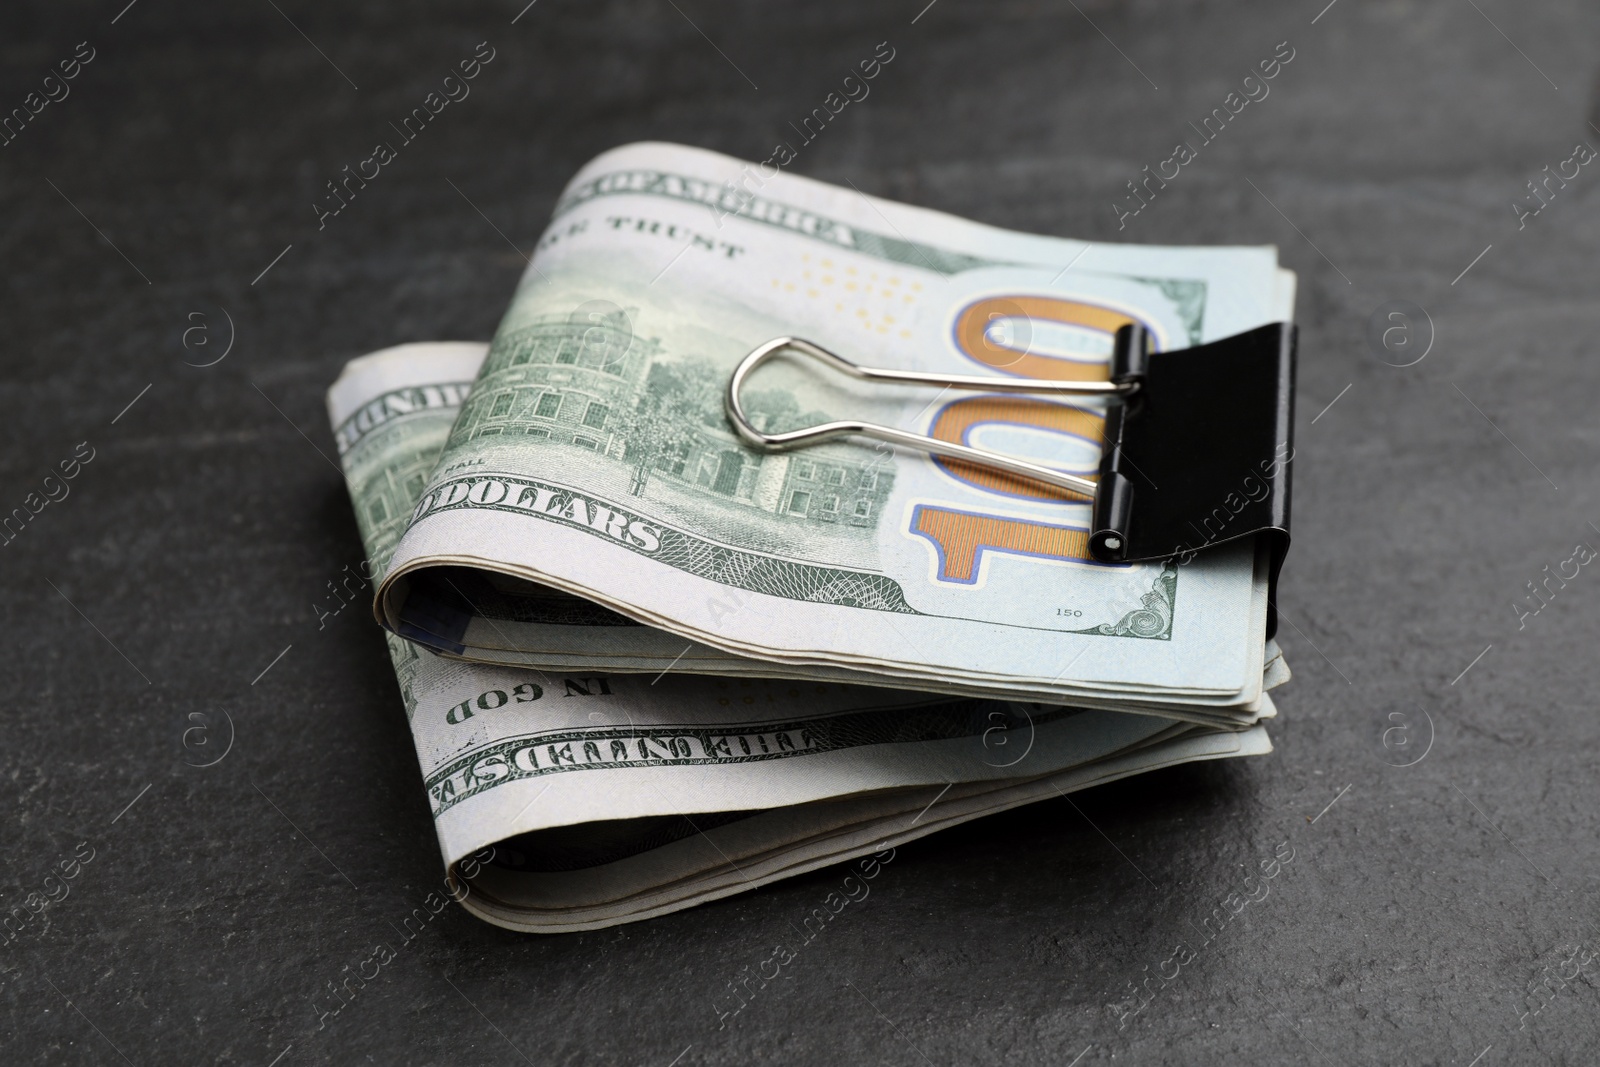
{"points": [[1199, 442]]}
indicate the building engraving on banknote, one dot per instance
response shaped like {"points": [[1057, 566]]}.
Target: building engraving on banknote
{"points": [[584, 379], [610, 748]]}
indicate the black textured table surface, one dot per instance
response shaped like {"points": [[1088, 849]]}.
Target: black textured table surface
{"points": [[1435, 772]]}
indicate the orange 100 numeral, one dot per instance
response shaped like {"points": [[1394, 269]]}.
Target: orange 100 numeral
{"points": [[962, 537]]}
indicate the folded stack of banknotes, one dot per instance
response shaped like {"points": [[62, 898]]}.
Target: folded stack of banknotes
{"points": [[646, 666]]}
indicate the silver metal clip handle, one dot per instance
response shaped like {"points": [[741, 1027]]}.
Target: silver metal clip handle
{"points": [[828, 431]]}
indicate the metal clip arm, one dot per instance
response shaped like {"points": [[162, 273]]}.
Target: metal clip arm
{"points": [[828, 431]]}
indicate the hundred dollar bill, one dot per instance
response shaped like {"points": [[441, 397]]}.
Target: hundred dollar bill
{"points": [[568, 801], [591, 476]]}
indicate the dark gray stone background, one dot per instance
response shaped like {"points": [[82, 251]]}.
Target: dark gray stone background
{"points": [[1418, 909]]}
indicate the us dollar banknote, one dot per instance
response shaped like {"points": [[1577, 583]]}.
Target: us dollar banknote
{"points": [[576, 800], [592, 480]]}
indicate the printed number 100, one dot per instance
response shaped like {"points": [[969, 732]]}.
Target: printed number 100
{"points": [[962, 537]]}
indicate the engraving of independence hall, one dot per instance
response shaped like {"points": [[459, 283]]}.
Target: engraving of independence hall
{"points": [[584, 380]]}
